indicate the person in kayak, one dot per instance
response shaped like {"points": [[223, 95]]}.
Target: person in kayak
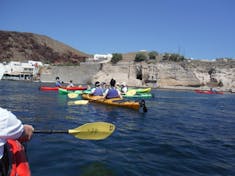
{"points": [[70, 84], [58, 83], [97, 90], [104, 86], [124, 88], [112, 92], [12, 128], [212, 90]]}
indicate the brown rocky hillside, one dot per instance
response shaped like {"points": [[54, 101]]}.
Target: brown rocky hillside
{"points": [[19, 46]]}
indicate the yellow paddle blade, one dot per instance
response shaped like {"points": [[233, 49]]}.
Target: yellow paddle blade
{"points": [[78, 102], [131, 92], [93, 131], [72, 95]]}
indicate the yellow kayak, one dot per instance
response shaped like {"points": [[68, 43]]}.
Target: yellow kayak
{"points": [[115, 102]]}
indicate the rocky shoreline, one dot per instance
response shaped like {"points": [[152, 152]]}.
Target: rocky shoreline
{"points": [[187, 75]]}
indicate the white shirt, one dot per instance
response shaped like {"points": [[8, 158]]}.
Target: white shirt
{"points": [[124, 89], [10, 128], [92, 90]]}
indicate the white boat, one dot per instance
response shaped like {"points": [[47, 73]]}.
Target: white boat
{"points": [[2, 70]]}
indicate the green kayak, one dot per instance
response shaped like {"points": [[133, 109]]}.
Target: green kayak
{"points": [[63, 91], [79, 92], [141, 90], [88, 91], [141, 95]]}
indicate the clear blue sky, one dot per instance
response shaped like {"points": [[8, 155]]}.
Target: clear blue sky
{"points": [[200, 29]]}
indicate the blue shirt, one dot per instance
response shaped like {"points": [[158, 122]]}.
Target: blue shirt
{"points": [[112, 93], [98, 92], [58, 84]]}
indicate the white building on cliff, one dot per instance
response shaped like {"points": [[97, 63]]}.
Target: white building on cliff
{"points": [[2, 70], [101, 58]]}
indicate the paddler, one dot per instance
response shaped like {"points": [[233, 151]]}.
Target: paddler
{"points": [[70, 84], [58, 83], [97, 90], [112, 91], [124, 88], [12, 128]]}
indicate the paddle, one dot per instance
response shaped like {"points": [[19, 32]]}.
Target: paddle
{"points": [[72, 95], [78, 102], [131, 92], [88, 131], [75, 94]]}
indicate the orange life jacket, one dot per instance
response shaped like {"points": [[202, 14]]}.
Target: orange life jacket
{"points": [[19, 163]]}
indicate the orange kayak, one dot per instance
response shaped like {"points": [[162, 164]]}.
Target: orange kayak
{"points": [[113, 102]]}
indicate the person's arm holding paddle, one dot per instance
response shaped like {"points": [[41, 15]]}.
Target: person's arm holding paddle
{"points": [[12, 128], [27, 133]]}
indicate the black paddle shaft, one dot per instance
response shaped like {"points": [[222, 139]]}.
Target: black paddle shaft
{"points": [[50, 131]]}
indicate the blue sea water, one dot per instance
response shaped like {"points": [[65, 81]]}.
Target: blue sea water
{"points": [[183, 133]]}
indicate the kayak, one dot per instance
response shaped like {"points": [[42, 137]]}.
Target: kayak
{"points": [[63, 91], [115, 102], [207, 92], [139, 95], [88, 91], [15, 160], [146, 90], [45, 88], [142, 90]]}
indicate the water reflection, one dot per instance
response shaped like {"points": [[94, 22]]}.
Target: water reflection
{"points": [[96, 168]]}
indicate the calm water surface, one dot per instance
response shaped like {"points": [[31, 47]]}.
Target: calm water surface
{"points": [[183, 133]]}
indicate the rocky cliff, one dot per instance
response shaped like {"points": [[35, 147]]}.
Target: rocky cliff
{"points": [[20, 46], [187, 74], [176, 75]]}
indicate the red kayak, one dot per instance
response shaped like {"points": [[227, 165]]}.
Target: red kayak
{"points": [[45, 88], [15, 160], [208, 92]]}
